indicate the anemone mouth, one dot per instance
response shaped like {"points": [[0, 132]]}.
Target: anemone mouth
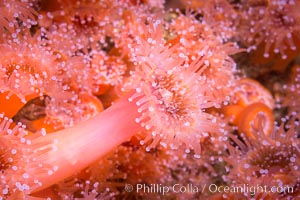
{"points": [[84, 22], [273, 159], [168, 100], [270, 155], [281, 18], [169, 94]]}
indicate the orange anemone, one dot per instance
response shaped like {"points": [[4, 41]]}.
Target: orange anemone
{"points": [[253, 116]]}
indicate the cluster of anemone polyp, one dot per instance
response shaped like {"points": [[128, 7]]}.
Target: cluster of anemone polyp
{"points": [[150, 99]]}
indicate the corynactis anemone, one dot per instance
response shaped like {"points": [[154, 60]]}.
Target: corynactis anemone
{"points": [[200, 40], [17, 166], [291, 100], [220, 15], [26, 72], [15, 13], [29, 70], [76, 34], [250, 100], [272, 158], [169, 93], [273, 23], [252, 114], [96, 95], [128, 157], [164, 100]]}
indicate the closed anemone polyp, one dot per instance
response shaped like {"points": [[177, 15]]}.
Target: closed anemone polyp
{"points": [[251, 91], [253, 115]]}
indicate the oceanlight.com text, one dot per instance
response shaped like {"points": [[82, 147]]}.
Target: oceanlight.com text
{"points": [[210, 188]]}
